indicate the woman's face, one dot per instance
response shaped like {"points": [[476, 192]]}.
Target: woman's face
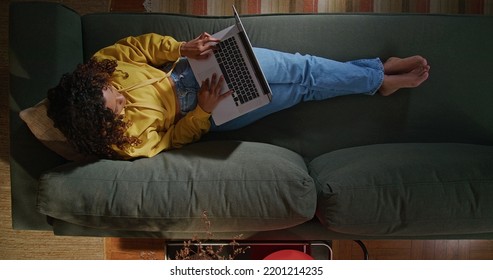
{"points": [[114, 100]]}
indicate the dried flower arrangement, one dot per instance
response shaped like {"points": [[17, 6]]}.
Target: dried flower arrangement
{"points": [[199, 249]]}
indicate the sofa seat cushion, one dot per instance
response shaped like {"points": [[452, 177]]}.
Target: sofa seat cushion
{"points": [[406, 189], [242, 186]]}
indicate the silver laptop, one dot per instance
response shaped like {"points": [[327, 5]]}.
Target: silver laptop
{"points": [[235, 60]]}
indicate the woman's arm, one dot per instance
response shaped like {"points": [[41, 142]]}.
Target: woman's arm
{"points": [[157, 49], [199, 47], [196, 123], [152, 48]]}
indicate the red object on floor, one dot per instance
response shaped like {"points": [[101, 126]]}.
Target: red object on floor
{"points": [[288, 255]]}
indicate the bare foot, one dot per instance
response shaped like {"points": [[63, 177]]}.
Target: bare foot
{"points": [[412, 79], [395, 65]]}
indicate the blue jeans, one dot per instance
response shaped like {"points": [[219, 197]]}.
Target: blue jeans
{"points": [[293, 78]]}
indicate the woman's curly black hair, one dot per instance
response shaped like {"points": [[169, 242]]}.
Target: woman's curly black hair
{"points": [[77, 108]]}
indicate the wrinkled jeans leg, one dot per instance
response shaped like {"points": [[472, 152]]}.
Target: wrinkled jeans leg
{"points": [[294, 78]]}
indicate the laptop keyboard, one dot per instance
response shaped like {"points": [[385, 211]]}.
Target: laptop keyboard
{"points": [[235, 71]]}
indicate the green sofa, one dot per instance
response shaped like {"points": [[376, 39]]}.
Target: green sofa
{"points": [[418, 164]]}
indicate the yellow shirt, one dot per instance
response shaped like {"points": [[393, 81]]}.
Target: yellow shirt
{"points": [[151, 108]]}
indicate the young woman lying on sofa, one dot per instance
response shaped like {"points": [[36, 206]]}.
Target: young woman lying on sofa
{"points": [[119, 105]]}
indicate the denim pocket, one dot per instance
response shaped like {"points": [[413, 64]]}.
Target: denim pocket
{"points": [[186, 86], [187, 98]]}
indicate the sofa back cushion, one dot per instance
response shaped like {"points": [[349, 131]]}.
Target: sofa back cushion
{"points": [[453, 105], [242, 186]]}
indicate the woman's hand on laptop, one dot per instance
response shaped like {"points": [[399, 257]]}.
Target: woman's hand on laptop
{"points": [[209, 94], [200, 47]]}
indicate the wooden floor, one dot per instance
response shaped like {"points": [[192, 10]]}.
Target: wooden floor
{"points": [[416, 250], [154, 249], [127, 6]]}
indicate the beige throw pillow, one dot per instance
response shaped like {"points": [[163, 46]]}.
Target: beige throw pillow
{"points": [[44, 130]]}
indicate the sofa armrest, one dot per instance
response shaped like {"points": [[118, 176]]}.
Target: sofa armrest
{"points": [[45, 42]]}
